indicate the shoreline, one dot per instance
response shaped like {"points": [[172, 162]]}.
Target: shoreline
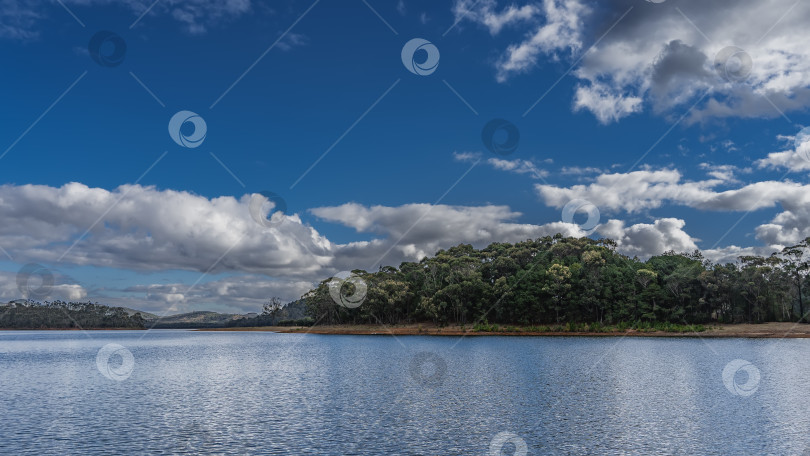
{"points": [[775, 330], [73, 329]]}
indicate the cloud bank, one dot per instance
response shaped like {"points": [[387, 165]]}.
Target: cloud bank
{"points": [[632, 56], [139, 228]]}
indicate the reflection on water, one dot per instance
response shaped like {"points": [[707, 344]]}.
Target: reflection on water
{"points": [[185, 392]]}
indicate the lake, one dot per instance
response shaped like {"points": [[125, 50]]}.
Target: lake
{"points": [[189, 392]]}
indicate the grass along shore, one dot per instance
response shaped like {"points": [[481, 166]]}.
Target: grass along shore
{"points": [[763, 330]]}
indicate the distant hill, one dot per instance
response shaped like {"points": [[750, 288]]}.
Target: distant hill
{"points": [[293, 313], [26, 314], [198, 319], [145, 315]]}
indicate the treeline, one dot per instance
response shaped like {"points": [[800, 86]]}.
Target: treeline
{"points": [[276, 314], [555, 280], [66, 315]]}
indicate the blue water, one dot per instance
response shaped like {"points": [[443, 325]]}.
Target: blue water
{"points": [[184, 392]]}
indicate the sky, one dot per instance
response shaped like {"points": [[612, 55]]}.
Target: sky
{"points": [[206, 155]]}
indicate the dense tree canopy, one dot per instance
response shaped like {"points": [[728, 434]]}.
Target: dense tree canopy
{"points": [[66, 315], [555, 280]]}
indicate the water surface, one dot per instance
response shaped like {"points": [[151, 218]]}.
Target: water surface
{"points": [[187, 392]]}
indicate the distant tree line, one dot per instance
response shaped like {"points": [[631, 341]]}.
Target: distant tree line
{"points": [[275, 313], [66, 315], [554, 280]]}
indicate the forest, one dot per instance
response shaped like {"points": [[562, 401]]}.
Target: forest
{"points": [[66, 315], [558, 280]]}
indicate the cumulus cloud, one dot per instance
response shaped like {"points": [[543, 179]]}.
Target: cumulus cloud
{"points": [[666, 58], [731, 253], [645, 240], [144, 228], [605, 103], [790, 226], [796, 158], [631, 192], [642, 190], [560, 31], [646, 189], [13, 286], [439, 226]]}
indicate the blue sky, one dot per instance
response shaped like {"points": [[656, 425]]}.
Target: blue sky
{"points": [[637, 109]]}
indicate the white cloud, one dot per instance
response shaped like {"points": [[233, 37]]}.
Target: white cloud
{"points": [[146, 229], [631, 192], [150, 230], [607, 104], [642, 190], [484, 12], [645, 240], [789, 159], [517, 166], [561, 31], [792, 225], [439, 226], [467, 156], [656, 57], [730, 253], [12, 287], [724, 173], [580, 170], [796, 158]]}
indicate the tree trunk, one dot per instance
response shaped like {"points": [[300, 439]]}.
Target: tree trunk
{"points": [[801, 303]]}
